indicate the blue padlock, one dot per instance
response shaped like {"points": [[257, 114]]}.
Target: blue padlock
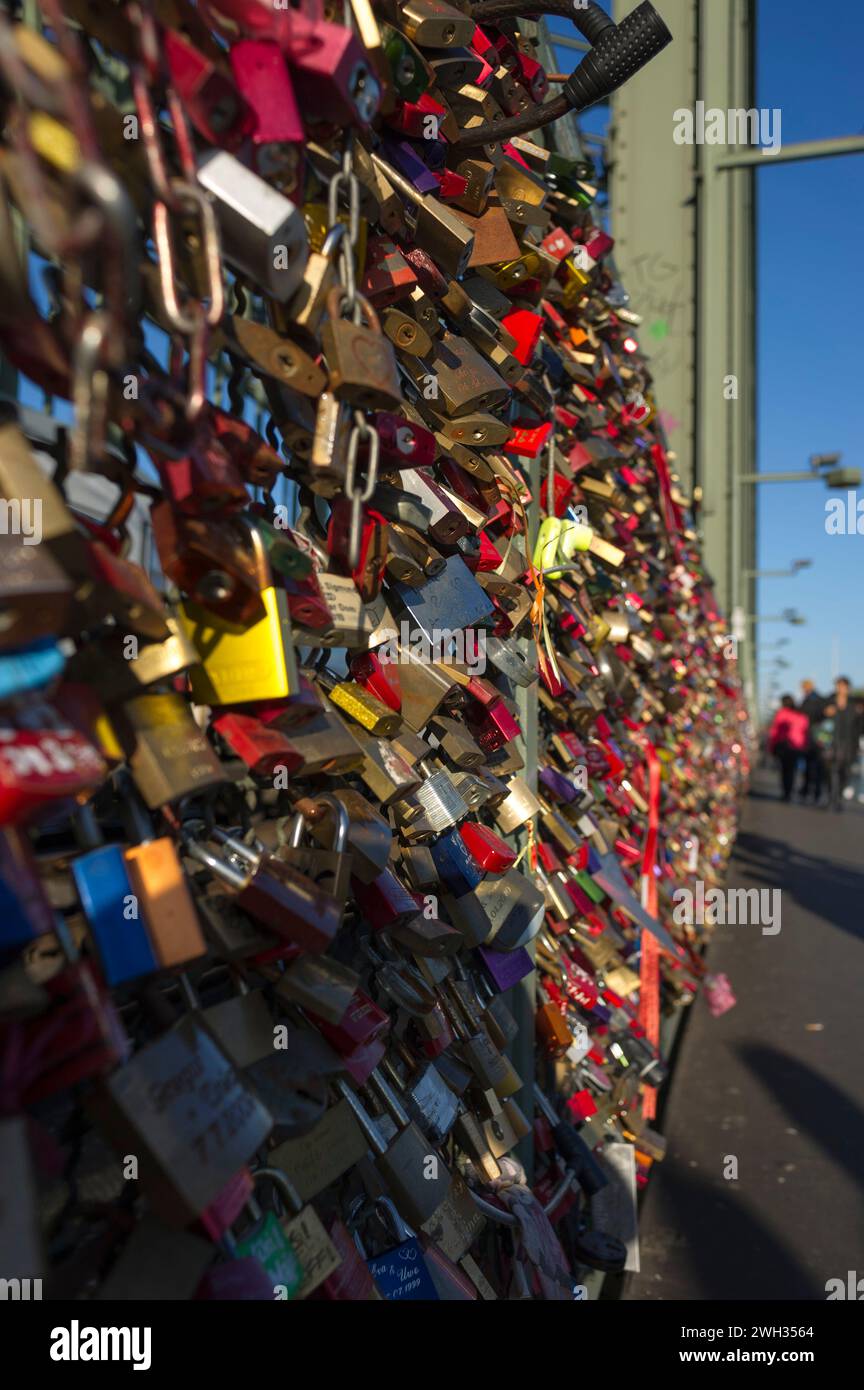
{"points": [[30, 668], [114, 916], [457, 868], [402, 1273]]}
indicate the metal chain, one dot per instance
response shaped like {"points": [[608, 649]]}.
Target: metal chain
{"points": [[348, 179], [176, 198], [361, 429]]}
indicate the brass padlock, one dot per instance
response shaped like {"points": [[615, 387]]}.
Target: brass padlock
{"points": [[361, 360]]}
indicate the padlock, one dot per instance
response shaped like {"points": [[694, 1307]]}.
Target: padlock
{"points": [[367, 568], [306, 1234], [416, 1176], [320, 984], [44, 762], [428, 1099], [265, 750], [267, 1242], [328, 64], [277, 139], [168, 756], [369, 835], [240, 662], [181, 1108], [329, 868], [111, 906], [458, 870], [263, 234], [214, 105], [35, 594], [276, 894], [361, 360], [401, 1272]]}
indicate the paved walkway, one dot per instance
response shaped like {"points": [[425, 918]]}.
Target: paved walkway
{"points": [[778, 1082]]}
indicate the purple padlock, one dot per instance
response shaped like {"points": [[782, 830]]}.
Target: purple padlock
{"points": [[504, 969], [402, 155], [559, 785]]}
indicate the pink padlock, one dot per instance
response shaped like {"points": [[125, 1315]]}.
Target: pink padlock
{"points": [[262, 77]]}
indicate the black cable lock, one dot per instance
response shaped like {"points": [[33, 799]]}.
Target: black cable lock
{"points": [[618, 51]]}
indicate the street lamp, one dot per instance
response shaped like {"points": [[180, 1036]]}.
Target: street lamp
{"points": [[824, 466], [789, 615], [797, 566]]}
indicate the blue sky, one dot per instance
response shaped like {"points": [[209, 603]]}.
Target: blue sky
{"points": [[811, 298]]}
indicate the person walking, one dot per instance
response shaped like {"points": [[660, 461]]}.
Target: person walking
{"points": [[813, 705], [787, 740], [845, 736]]}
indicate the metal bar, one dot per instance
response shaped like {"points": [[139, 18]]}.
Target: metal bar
{"points": [[769, 574], [560, 41], [793, 154], [523, 998], [780, 477]]}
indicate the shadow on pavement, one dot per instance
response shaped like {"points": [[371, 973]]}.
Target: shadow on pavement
{"points": [[750, 1263], [816, 1105], [824, 887]]}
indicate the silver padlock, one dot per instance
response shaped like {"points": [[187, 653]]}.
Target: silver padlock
{"points": [[263, 233], [439, 799], [509, 661]]}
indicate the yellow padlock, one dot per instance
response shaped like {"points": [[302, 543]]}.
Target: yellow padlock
{"points": [[243, 662], [546, 545], [575, 536]]}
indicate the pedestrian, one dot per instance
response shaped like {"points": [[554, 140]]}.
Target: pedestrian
{"points": [[787, 740], [845, 736], [813, 705]]}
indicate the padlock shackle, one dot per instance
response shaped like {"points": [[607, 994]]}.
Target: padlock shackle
{"points": [[284, 1184], [385, 1092], [226, 872], [367, 1124], [316, 811], [222, 837]]}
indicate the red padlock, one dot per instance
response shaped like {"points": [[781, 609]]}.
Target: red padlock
{"points": [[528, 441], [263, 749], [368, 573], [210, 99], [525, 327], [380, 679], [492, 853], [41, 768], [387, 276], [403, 444]]}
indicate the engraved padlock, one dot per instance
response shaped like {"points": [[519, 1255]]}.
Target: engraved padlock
{"points": [[362, 363]]}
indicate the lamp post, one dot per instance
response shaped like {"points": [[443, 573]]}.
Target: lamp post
{"points": [[821, 467], [797, 567], [789, 615]]}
